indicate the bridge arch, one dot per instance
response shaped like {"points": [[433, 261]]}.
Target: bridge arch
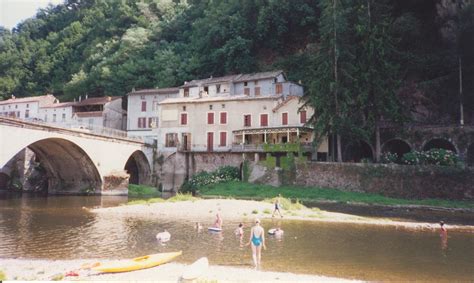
{"points": [[397, 146], [357, 151], [68, 167], [439, 143], [138, 167]]}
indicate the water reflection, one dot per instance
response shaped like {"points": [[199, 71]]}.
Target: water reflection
{"points": [[59, 228]]}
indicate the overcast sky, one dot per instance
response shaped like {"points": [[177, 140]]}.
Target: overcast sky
{"points": [[13, 12]]}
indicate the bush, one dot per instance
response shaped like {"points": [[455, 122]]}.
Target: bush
{"points": [[434, 156], [389, 158], [202, 179]]}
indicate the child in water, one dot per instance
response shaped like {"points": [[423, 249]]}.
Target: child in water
{"points": [[240, 230]]}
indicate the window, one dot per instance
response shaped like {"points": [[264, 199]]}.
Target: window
{"points": [[16, 106], [27, 106], [223, 106], [210, 107], [186, 92], [218, 88], [245, 83], [247, 120], [184, 118], [303, 117], [154, 123], [210, 118], [257, 91], [151, 123], [223, 118], [143, 106], [223, 139], [54, 117], [27, 113], [210, 141], [154, 106], [247, 91], [171, 140], [263, 120], [184, 108], [63, 118], [278, 88], [284, 118], [141, 123], [206, 89]]}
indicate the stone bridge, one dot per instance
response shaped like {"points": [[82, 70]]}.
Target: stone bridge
{"points": [[76, 160], [458, 139]]}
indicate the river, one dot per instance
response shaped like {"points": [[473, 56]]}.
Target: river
{"points": [[58, 227]]}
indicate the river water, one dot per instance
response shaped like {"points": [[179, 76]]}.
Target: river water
{"points": [[59, 228]]}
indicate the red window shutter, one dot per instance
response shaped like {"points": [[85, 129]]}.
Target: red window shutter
{"points": [[279, 88], [247, 121], [184, 118], [223, 139], [210, 118], [143, 106], [223, 117], [263, 120], [284, 118], [303, 117]]}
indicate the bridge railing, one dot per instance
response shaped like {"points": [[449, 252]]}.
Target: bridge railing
{"points": [[86, 128]]}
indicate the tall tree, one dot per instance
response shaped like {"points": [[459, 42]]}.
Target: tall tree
{"points": [[329, 92], [377, 73]]}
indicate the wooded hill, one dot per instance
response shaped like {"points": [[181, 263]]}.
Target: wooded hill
{"points": [[103, 47]]}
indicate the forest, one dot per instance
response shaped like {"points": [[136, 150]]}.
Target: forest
{"points": [[397, 60]]}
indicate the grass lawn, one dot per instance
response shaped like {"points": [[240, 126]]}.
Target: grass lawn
{"points": [[142, 191], [259, 192]]}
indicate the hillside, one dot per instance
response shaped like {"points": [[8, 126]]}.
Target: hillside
{"points": [[110, 47]]}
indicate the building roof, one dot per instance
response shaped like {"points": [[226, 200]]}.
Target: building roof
{"points": [[59, 105], [258, 76], [155, 91], [205, 99], [88, 114], [42, 100], [97, 100], [234, 78]]}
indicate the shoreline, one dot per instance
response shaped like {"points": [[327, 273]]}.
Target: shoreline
{"points": [[243, 210], [51, 270]]}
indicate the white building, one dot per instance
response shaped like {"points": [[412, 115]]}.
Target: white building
{"points": [[59, 113], [26, 107], [99, 112], [237, 113], [142, 110]]}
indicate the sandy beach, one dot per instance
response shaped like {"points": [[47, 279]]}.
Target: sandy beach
{"points": [[244, 210], [17, 269]]}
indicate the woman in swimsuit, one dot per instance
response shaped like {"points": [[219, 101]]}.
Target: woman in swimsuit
{"points": [[257, 241]]}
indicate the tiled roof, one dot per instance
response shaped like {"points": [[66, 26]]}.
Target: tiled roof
{"points": [[155, 91], [43, 99], [258, 76], [233, 78], [88, 114], [96, 100], [216, 99]]}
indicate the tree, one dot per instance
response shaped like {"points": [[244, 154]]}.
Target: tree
{"points": [[377, 74], [329, 92]]}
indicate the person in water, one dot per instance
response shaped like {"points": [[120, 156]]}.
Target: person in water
{"points": [[240, 230], [443, 235], [257, 241], [277, 207], [218, 222]]}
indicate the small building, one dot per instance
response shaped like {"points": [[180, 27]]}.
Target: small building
{"points": [[99, 112], [58, 112], [142, 110], [26, 107], [238, 113]]}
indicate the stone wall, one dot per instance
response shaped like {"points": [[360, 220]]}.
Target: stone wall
{"points": [[399, 181]]}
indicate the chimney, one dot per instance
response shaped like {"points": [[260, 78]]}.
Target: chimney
{"points": [[87, 95], [80, 98]]}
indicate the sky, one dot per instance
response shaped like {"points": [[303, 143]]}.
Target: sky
{"points": [[12, 12]]}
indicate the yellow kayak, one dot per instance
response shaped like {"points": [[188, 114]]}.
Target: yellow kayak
{"points": [[137, 263]]}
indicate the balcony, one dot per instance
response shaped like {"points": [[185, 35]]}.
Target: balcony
{"points": [[284, 147]]}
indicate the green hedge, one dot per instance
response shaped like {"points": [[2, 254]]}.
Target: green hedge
{"points": [[201, 179]]}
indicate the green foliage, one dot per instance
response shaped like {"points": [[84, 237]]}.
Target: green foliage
{"points": [[309, 194], [3, 276], [434, 156], [141, 191], [181, 197], [282, 147], [269, 162], [245, 170], [389, 158], [201, 179]]}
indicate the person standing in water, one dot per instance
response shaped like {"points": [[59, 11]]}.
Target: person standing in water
{"points": [[218, 222], [257, 241], [443, 235], [277, 207]]}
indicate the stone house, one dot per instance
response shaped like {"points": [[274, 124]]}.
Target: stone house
{"points": [[26, 107], [142, 109], [99, 112]]}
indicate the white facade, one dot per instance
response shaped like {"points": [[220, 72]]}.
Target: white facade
{"points": [[142, 110], [59, 113], [26, 107]]}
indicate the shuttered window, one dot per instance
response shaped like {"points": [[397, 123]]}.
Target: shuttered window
{"points": [[223, 139], [263, 120], [210, 118], [284, 118]]}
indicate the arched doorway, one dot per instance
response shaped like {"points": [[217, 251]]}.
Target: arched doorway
{"points": [[439, 143], [358, 152], [396, 146], [138, 168], [470, 155]]}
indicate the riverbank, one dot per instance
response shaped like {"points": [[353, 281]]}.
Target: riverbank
{"points": [[204, 210], [32, 270]]}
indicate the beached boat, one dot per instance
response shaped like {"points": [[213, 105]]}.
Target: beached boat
{"points": [[137, 263]]}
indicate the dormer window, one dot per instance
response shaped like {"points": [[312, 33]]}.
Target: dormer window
{"points": [[186, 92], [206, 89], [245, 83]]}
